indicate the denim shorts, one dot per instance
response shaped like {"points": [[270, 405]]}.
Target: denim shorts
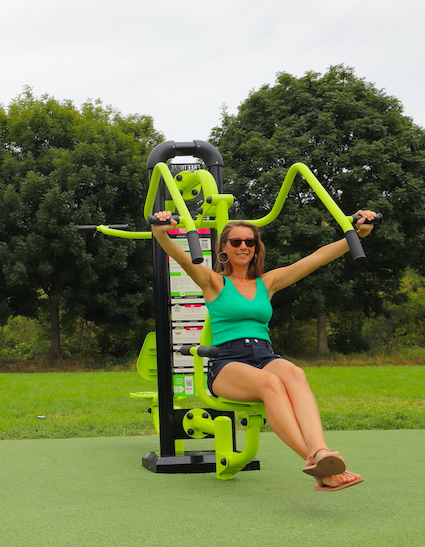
{"points": [[251, 351]]}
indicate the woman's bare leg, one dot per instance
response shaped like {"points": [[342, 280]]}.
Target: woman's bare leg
{"points": [[291, 408], [242, 382], [307, 415], [303, 402]]}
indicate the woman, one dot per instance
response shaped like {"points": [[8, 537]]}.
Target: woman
{"points": [[238, 300]]}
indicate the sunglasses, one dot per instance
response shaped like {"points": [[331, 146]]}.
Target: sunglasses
{"points": [[237, 241]]}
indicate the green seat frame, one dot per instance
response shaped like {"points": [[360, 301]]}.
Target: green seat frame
{"points": [[147, 367], [198, 423], [228, 461]]}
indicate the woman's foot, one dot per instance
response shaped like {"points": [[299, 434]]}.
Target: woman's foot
{"points": [[324, 463], [337, 482]]}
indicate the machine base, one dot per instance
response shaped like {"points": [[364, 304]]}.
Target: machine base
{"points": [[188, 462]]}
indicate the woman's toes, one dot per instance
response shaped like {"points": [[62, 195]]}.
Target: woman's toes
{"points": [[342, 478]]}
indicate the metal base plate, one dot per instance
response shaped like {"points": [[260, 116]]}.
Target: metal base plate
{"points": [[187, 462]]}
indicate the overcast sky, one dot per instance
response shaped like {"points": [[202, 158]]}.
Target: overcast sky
{"points": [[180, 61]]}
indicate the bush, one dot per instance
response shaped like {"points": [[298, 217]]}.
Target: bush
{"points": [[403, 324], [23, 338], [27, 339]]}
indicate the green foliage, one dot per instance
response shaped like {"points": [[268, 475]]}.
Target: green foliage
{"points": [[295, 337], [59, 167], [22, 338], [403, 324], [363, 150], [26, 340], [408, 319], [347, 332]]}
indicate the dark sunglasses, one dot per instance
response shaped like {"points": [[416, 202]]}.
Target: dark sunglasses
{"points": [[237, 241]]}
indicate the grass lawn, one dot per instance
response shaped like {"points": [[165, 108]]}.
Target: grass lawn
{"points": [[382, 397], [90, 404]]}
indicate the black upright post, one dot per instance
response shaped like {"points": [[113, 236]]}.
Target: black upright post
{"points": [[163, 351]]}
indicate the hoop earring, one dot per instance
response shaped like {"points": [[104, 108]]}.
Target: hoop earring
{"points": [[254, 258], [222, 261]]}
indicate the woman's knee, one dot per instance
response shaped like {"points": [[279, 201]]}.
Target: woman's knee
{"points": [[298, 374], [272, 385], [288, 372], [283, 368]]}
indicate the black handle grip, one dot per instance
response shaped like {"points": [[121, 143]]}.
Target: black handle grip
{"points": [[377, 220], [355, 245], [92, 228], [118, 226], [153, 220], [203, 351], [195, 247], [208, 351], [185, 350]]}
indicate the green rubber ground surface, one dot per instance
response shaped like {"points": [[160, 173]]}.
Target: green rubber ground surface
{"points": [[94, 491]]}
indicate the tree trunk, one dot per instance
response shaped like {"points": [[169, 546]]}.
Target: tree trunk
{"points": [[322, 335], [55, 347]]}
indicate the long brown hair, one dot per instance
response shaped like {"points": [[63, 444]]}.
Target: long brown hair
{"points": [[256, 266]]}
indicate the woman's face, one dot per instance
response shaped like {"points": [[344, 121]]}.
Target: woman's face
{"points": [[242, 255]]}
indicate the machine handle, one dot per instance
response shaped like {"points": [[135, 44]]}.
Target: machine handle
{"points": [[151, 219], [202, 351], [92, 228], [354, 243], [192, 238], [377, 220], [195, 247], [353, 239]]}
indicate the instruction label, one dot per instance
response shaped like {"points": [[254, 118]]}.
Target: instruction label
{"points": [[188, 311]]}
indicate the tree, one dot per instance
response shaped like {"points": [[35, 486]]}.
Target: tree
{"points": [[364, 151], [59, 167]]}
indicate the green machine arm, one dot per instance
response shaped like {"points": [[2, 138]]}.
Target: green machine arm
{"points": [[159, 172], [218, 205], [115, 230], [344, 221]]}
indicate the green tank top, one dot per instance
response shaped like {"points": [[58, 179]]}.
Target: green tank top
{"points": [[233, 316]]}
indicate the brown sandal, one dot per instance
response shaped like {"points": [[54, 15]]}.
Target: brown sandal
{"points": [[332, 464], [325, 488]]}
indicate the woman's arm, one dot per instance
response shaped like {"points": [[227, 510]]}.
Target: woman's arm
{"points": [[280, 278]]}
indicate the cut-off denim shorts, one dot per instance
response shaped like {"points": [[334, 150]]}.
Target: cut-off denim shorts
{"points": [[252, 351]]}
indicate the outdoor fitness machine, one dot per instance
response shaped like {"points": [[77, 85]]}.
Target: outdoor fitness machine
{"points": [[174, 187]]}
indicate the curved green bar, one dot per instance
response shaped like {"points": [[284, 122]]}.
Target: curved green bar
{"points": [[205, 179], [123, 233], [322, 194], [221, 203], [208, 184], [161, 170], [229, 462]]}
